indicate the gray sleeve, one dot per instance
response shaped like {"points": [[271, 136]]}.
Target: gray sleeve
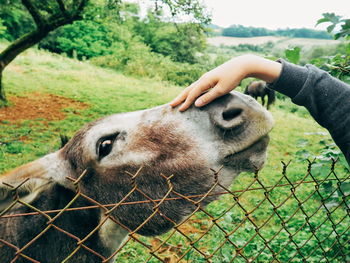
{"points": [[326, 98]]}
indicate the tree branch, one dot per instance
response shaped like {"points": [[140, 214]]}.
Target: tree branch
{"points": [[21, 44], [44, 27], [34, 12], [34, 37], [30, 39]]}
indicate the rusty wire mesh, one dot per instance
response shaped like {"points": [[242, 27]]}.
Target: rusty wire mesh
{"points": [[304, 220]]}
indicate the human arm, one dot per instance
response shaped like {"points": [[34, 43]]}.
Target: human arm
{"points": [[225, 78], [325, 97]]}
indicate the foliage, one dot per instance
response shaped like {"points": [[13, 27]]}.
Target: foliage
{"points": [[83, 39], [137, 59], [335, 21], [193, 10], [243, 31], [2, 29], [15, 18], [148, 47], [181, 42], [303, 33], [267, 47], [101, 34], [47, 16], [293, 54], [339, 64], [94, 36]]}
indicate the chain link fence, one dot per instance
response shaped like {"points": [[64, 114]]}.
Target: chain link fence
{"points": [[303, 220]]}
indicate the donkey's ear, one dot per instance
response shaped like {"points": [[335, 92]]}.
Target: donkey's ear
{"points": [[31, 179], [64, 140]]}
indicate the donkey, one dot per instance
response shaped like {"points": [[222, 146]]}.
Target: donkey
{"points": [[259, 89], [159, 145]]}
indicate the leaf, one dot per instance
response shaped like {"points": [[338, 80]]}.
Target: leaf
{"points": [[337, 36], [331, 28], [329, 17], [328, 187], [293, 54], [345, 188], [322, 20], [346, 79]]}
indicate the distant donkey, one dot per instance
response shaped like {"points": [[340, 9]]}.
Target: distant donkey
{"points": [[170, 147], [259, 89]]}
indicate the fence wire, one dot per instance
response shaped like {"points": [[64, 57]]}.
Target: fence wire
{"points": [[304, 220]]}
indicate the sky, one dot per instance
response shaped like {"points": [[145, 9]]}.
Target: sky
{"points": [[273, 14]]}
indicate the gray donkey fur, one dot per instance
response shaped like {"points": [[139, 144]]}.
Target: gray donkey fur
{"points": [[230, 133]]}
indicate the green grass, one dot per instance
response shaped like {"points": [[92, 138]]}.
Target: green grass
{"points": [[295, 137], [106, 92]]}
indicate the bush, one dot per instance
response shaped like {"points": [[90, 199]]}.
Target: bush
{"points": [[243, 31], [137, 59], [338, 64], [84, 39], [145, 48], [181, 43]]}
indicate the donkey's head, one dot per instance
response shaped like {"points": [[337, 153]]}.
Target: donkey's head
{"points": [[153, 154]]}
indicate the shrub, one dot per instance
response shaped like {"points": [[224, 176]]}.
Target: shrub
{"points": [[337, 65], [137, 59], [85, 39], [180, 42]]}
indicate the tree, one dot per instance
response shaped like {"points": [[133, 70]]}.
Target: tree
{"points": [[334, 20], [181, 42], [47, 16], [16, 19]]}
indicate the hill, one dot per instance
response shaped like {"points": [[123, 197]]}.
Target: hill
{"points": [[280, 42], [249, 31]]}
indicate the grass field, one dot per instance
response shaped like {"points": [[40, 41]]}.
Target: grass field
{"points": [[280, 42], [93, 92]]}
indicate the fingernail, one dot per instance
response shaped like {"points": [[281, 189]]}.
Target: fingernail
{"points": [[199, 103], [182, 108]]}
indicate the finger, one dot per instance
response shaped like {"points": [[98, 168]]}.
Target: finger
{"points": [[181, 97], [211, 95], [192, 96]]}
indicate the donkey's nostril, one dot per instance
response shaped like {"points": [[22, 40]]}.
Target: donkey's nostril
{"points": [[230, 114]]}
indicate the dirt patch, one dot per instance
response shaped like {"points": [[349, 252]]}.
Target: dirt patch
{"points": [[38, 106]]}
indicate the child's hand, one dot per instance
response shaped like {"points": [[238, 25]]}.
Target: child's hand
{"points": [[225, 78]]}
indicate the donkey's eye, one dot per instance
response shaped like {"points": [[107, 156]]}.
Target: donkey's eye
{"points": [[105, 146]]}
